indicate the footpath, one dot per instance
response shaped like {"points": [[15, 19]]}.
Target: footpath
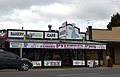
{"points": [[75, 68], [63, 68]]}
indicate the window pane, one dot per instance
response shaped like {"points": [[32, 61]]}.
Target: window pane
{"points": [[80, 55]]}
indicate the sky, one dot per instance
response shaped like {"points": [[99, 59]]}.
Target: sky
{"points": [[38, 14]]}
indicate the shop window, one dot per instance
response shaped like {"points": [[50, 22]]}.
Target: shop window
{"points": [[37, 55], [88, 55], [91, 54], [81, 55], [78, 54], [48, 56], [75, 54], [52, 55], [56, 55], [33, 55]]}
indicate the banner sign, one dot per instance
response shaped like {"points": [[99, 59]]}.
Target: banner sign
{"points": [[80, 46], [90, 61], [41, 45], [56, 46], [78, 62], [15, 45], [52, 63], [70, 46], [16, 34], [31, 34], [36, 63], [70, 31], [51, 35]]}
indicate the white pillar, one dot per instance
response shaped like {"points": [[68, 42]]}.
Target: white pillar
{"points": [[21, 50]]}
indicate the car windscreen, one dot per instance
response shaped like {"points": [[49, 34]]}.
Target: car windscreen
{"points": [[10, 55]]}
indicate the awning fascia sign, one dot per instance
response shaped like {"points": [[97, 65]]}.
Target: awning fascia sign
{"points": [[56, 45]]}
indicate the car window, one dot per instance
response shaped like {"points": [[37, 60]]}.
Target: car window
{"points": [[10, 55]]}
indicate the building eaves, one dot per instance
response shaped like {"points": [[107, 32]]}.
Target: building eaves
{"points": [[107, 41]]}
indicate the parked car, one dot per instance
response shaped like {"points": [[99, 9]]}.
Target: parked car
{"points": [[13, 61]]}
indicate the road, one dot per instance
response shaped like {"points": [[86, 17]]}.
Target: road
{"points": [[67, 72]]}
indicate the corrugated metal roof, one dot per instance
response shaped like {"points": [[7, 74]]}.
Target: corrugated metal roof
{"points": [[54, 41]]}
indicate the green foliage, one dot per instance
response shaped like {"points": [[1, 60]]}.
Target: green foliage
{"points": [[115, 21], [83, 39], [25, 37]]}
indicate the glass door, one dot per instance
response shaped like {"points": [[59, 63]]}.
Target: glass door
{"points": [[66, 59]]}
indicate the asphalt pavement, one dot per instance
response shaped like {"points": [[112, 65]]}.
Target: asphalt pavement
{"points": [[64, 72]]}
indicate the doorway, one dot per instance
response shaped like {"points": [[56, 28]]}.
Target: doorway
{"points": [[66, 58], [112, 54]]}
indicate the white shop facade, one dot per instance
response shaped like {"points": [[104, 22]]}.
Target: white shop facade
{"points": [[47, 49]]}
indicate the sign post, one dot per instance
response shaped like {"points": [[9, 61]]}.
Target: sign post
{"points": [[25, 38], [20, 50]]}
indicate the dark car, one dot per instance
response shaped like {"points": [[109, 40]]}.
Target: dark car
{"points": [[13, 61]]}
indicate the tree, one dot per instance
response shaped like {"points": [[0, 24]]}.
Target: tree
{"points": [[115, 21]]}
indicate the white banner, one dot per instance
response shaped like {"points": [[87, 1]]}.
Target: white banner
{"points": [[51, 35], [70, 32], [94, 61], [15, 45], [34, 34], [16, 34], [52, 63], [36, 63], [40, 45], [78, 62], [56, 46]]}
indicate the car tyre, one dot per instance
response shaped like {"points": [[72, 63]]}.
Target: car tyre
{"points": [[24, 66]]}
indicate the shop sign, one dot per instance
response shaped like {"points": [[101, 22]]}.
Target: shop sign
{"points": [[36, 63], [70, 46], [25, 44], [96, 62], [78, 62], [15, 45], [70, 32], [52, 63], [89, 46], [92, 61], [16, 34], [100, 46], [48, 45], [34, 34], [63, 33], [56, 46], [41, 45], [80, 46], [51, 35], [93, 46]]}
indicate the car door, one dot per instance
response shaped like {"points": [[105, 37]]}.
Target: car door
{"points": [[2, 60], [12, 60]]}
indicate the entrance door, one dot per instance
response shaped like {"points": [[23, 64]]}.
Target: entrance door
{"points": [[66, 58], [112, 54]]}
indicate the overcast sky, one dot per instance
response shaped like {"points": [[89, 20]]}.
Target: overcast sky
{"points": [[37, 14]]}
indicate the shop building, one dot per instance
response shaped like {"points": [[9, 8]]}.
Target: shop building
{"points": [[67, 47], [111, 38], [3, 36]]}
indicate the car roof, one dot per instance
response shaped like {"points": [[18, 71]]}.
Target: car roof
{"points": [[2, 51]]}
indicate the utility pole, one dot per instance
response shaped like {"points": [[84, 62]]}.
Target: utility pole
{"points": [[20, 49], [89, 23]]}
